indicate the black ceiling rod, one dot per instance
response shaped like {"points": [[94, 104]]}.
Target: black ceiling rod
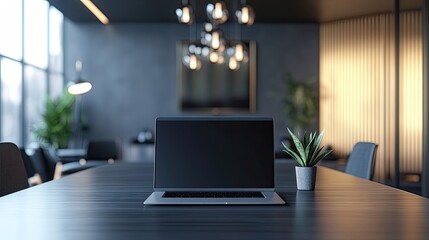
{"points": [[396, 33]]}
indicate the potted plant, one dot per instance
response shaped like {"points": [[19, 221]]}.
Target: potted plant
{"points": [[307, 153], [300, 101], [56, 128]]}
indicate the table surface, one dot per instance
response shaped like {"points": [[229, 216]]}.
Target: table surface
{"points": [[107, 203]]}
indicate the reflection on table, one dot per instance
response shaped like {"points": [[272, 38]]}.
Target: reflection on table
{"points": [[107, 203]]}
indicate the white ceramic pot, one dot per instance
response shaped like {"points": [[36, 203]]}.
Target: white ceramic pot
{"points": [[305, 178]]}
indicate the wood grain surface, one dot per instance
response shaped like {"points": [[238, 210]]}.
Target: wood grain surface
{"points": [[107, 203]]}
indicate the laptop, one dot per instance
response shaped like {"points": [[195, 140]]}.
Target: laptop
{"points": [[214, 161]]}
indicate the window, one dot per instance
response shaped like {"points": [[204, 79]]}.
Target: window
{"points": [[11, 28], [56, 20], [55, 40], [36, 32], [31, 65], [11, 89], [56, 81], [35, 95]]}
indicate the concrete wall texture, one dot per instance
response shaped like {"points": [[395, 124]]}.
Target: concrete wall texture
{"points": [[132, 67]]}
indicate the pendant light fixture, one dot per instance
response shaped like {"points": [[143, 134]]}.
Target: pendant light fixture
{"points": [[80, 86], [213, 45], [185, 14], [245, 15], [217, 12]]}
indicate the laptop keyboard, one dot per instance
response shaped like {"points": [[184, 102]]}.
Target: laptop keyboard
{"points": [[213, 195]]}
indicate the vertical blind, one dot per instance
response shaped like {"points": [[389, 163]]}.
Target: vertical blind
{"points": [[357, 88]]}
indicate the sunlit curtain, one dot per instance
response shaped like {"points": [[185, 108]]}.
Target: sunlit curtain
{"points": [[357, 88]]}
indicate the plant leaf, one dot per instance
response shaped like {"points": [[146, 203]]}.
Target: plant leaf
{"points": [[57, 119], [319, 138], [293, 155], [321, 155], [298, 146], [313, 147], [308, 149]]}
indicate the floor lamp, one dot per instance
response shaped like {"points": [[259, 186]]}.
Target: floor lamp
{"points": [[77, 88]]}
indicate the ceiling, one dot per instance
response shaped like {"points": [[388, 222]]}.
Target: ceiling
{"points": [[267, 11]]}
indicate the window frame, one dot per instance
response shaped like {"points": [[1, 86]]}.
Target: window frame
{"points": [[25, 128]]}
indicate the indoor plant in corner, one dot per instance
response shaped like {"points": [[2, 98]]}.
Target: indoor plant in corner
{"points": [[56, 128], [307, 152]]}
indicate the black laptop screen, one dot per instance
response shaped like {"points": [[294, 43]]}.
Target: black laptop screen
{"points": [[214, 152]]}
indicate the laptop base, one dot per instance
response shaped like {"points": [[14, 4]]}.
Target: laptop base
{"points": [[270, 198]]}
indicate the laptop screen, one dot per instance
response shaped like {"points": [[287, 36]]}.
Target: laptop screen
{"points": [[214, 152]]}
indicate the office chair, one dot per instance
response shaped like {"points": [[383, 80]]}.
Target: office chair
{"points": [[98, 152], [29, 168], [43, 164], [362, 160], [102, 150], [33, 176], [12, 170]]}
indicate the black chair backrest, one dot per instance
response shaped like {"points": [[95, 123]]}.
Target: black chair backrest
{"points": [[42, 163], [39, 163], [29, 168], [362, 160], [51, 160], [102, 150], [12, 170]]}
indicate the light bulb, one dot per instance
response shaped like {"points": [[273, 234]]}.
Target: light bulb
{"points": [[208, 27], [186, 16], [239, 52], [205, 51], [245, 15], [194, 62], [213, 57], [215, 40], [179, 13], [217, 12], [221, 46], [186, 59], [192, 48], [221, 60], [208, 37], [233, 64], [78, 66]]}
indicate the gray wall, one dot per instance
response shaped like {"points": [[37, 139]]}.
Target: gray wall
{"points": [[133, 71]]}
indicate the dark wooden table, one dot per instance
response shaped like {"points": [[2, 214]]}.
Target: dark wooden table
{"points": [[107, 203]]}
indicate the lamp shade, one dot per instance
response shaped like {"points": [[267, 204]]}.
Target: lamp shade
{"points": [[79, 87]]}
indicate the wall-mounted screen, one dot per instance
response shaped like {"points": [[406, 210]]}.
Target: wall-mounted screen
{"points": [[214, 87]]}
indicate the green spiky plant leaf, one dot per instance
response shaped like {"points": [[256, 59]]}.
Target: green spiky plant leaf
{"points": [[307, 150]]}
